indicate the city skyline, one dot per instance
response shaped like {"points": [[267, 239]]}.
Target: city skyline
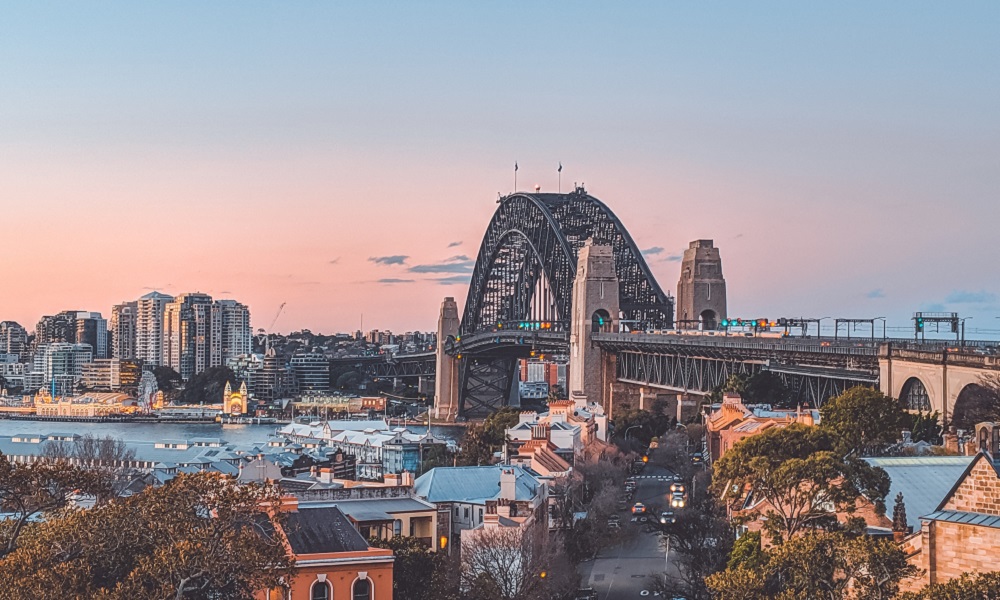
{"points": [[842, 160]]}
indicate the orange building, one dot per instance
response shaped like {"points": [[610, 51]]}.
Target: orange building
{"points": [[734, 421], [333, 561]]}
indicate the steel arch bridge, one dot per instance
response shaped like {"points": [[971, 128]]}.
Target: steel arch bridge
{"points": [[523, 279]]}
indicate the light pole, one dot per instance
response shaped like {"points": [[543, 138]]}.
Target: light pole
{"points": [[628, 430], [883, 319], [964, 319], [819, 326]]}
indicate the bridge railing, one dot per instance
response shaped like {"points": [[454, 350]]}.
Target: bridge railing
{"points": [[778, 345]]}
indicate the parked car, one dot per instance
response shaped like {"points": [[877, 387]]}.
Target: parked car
{"points": [[585, 594]]}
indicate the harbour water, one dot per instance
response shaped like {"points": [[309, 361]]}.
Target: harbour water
{"points": [[240, 434]]}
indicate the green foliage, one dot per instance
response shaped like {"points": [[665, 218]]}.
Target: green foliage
{"points": [[482, 440], [167, 379], [865, 420], [796, 470], [207, 387], [747, 552], [418, 573], [700, 545], [925, 427], [763, 387], [834, 566], [649, 424], [199, 537], [978, 586]]}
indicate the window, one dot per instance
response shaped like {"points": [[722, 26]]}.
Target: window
{"points": [[466, 512], [362, 590], [480, 515], [397, 527], [320, 591]]}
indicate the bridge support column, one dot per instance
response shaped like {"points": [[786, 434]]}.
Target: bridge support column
{"points": [[446, 378], [595, 309]]}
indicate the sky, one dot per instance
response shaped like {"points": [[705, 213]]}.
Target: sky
{"points": [[345, 158]]}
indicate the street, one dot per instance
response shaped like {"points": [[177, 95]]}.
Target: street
{"points": [[628, 570]]}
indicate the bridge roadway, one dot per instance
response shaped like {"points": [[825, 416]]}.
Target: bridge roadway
{"points": [[816, 367]]}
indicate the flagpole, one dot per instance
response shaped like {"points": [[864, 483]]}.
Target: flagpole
{"points": [[559, 170], [515, 177]]}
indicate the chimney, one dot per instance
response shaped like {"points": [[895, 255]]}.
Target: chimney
{"points": [[508, 482], [407, 479], [527, 417], [950, 440], [391, 479]]}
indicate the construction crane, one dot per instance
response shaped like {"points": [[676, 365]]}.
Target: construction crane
{"points": [[264, 335]]}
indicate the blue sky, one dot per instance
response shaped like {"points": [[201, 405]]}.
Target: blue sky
{"points": [[845, 157]]}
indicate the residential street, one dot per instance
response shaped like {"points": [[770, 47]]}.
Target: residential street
{"points": [[627, 570]]}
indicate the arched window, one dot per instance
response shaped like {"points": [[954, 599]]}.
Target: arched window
{"points": [[320, 591], [362, 590]]}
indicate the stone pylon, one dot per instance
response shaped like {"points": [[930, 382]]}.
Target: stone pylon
{"points": [[701, 290], [446, 374], [595, 309]]}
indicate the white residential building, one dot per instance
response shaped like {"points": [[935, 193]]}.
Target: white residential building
{"points": [[149, 328]]}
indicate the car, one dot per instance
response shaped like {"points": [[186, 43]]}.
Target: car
{"points": [[678, 500], [667, 517], [676, 487], [678, 479], [696, 458], [585, 594], [638, 508]]}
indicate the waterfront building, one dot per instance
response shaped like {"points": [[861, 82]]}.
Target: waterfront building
{"points": [[60, 328], [61, 363], [110, 374], [13, 338], [312, 372], [122, 330], [85, 406], [235, 403], [149, 328], [188, 334], [272, 381]]}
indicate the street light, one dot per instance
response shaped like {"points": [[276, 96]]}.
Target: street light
{"points": [[883, 319], [628, 430], [819, 326]]}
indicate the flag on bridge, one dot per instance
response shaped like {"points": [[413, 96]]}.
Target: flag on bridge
{"points": [[560, 168]]}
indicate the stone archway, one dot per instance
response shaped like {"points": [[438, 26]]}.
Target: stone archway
{"points": [[914, 396], [975, 404]]}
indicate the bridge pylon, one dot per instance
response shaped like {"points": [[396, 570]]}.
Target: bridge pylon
{"points": [[446, 390], [595, 309]]}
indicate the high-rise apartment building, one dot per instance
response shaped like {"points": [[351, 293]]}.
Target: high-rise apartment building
{"points": [[235, 336], [62, 364], [60, 328], [312, 372], [13, 338], [122, 330], [188, 334], [149, 328], [92, 328]]}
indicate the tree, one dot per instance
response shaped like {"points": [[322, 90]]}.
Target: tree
{"points": [[865, 420], [199, 537], [207, 386], [766, 387], [39, 488], [925, 427], [509, 563], [796, 470], [830, 566], [747, 552], [700, 544], [971, 586], [482, 440], [167, 379], [108, 459], [418, 573]]}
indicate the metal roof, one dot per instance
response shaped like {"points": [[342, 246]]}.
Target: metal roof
{"points": [[967, 518], [472, 485], [923, 480]]}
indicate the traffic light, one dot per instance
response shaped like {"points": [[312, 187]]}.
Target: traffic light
{"points": [[762, 323], [920, 322], [725, 323]]}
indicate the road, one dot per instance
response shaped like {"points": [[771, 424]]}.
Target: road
{"points": [[627, 570]]}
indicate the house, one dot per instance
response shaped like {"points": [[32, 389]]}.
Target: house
{"points": [[733, 421], [468, 494], [962, 533], [333, 560]]}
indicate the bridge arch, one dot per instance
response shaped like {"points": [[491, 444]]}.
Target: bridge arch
{"points": [[974, 404], [531, 246], [525, 270], [913, 395]]}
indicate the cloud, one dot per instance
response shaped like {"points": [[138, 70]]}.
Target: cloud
{"points": [[394, 280], [965, 297], [335, 261], [875, 294], [933, 307], [454, 280], [395, 259], [463, 266], [453, 244], [652, 251], [458, 258], [674, 258]]}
